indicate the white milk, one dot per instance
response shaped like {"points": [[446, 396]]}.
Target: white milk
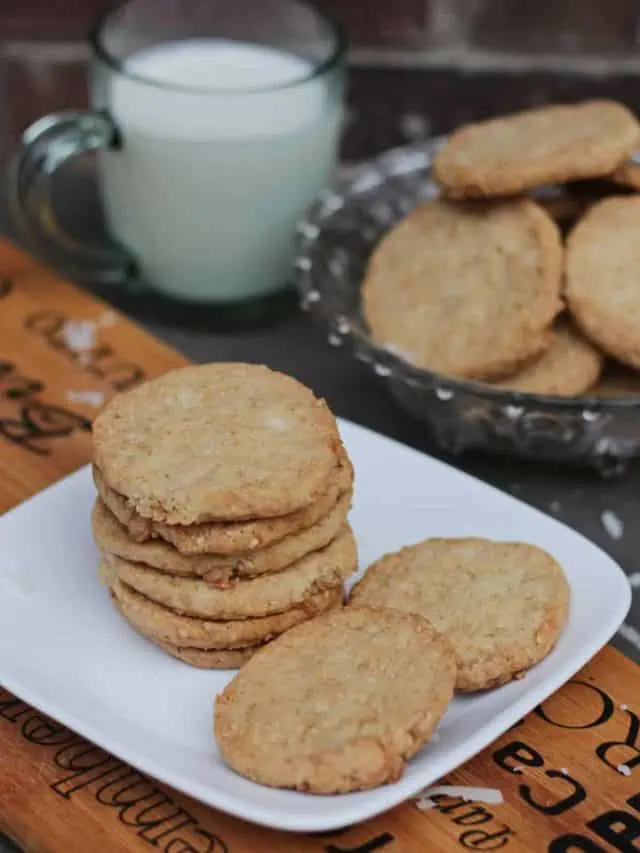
{"points": [[208, 185]]}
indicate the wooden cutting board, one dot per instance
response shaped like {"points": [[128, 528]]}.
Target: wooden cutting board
{"points": [[566, 774]]}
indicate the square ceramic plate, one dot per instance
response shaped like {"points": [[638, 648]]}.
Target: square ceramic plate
{"points": [[65, 650]]}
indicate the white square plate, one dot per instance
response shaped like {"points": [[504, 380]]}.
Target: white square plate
{"points": [[65, 650]]}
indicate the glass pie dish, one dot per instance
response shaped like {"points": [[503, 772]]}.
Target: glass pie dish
{"points": [[333, 243]]}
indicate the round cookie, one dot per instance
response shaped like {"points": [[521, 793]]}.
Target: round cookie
{"points": [[569, 367], [466, 290], [261, 596], [210, 658], [154, 620], [233, 537], [110, 536], [502, 605], [336, 704], [602, 263], [545, 145], [217, 442]]}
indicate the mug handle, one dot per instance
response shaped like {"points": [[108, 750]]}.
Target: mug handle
{"points": [[46, 146]]}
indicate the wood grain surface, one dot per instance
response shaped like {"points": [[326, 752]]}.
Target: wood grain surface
{"points": [[567, 773]]}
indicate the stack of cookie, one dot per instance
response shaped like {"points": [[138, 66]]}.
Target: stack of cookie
{"points": [[223, 495], [477, 284]]}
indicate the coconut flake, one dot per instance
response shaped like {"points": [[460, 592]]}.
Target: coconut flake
{"points": [[612, 524], [491, 796], [79, 335], [91, 398]]}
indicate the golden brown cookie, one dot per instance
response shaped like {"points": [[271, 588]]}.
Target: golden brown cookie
{"points": [[502, 605], [545, 145], [210, 658], [217, 442], [260, 596], [158, 622], [233, 537], [466, 290], [111, 536], [215, 658], [569, 367], [336, 704], [602, 263]]}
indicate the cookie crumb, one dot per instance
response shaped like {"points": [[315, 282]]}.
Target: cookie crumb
{"points": [[612, 524]]}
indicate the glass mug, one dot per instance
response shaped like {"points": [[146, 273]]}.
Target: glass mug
{"points": [[215, 124]]}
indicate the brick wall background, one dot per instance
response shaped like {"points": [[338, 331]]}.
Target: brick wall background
{"points": [[419, 66], [590, 26]]}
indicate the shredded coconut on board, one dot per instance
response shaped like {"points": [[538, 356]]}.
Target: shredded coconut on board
{"points": [[79, 335], [91, 398], [491, 796]]}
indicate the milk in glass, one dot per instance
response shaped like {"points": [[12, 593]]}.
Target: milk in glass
{"points": [[208, 183]]}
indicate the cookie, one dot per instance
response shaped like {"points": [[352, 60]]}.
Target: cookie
{"points": [[232, 537], [545, 145], [217, 442], [336, 704], [160, 623], [210, 658], [110, 536], [569, 367], [466, 290], [262, 596], [502, 605], [616, 381], [602, 262]]}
